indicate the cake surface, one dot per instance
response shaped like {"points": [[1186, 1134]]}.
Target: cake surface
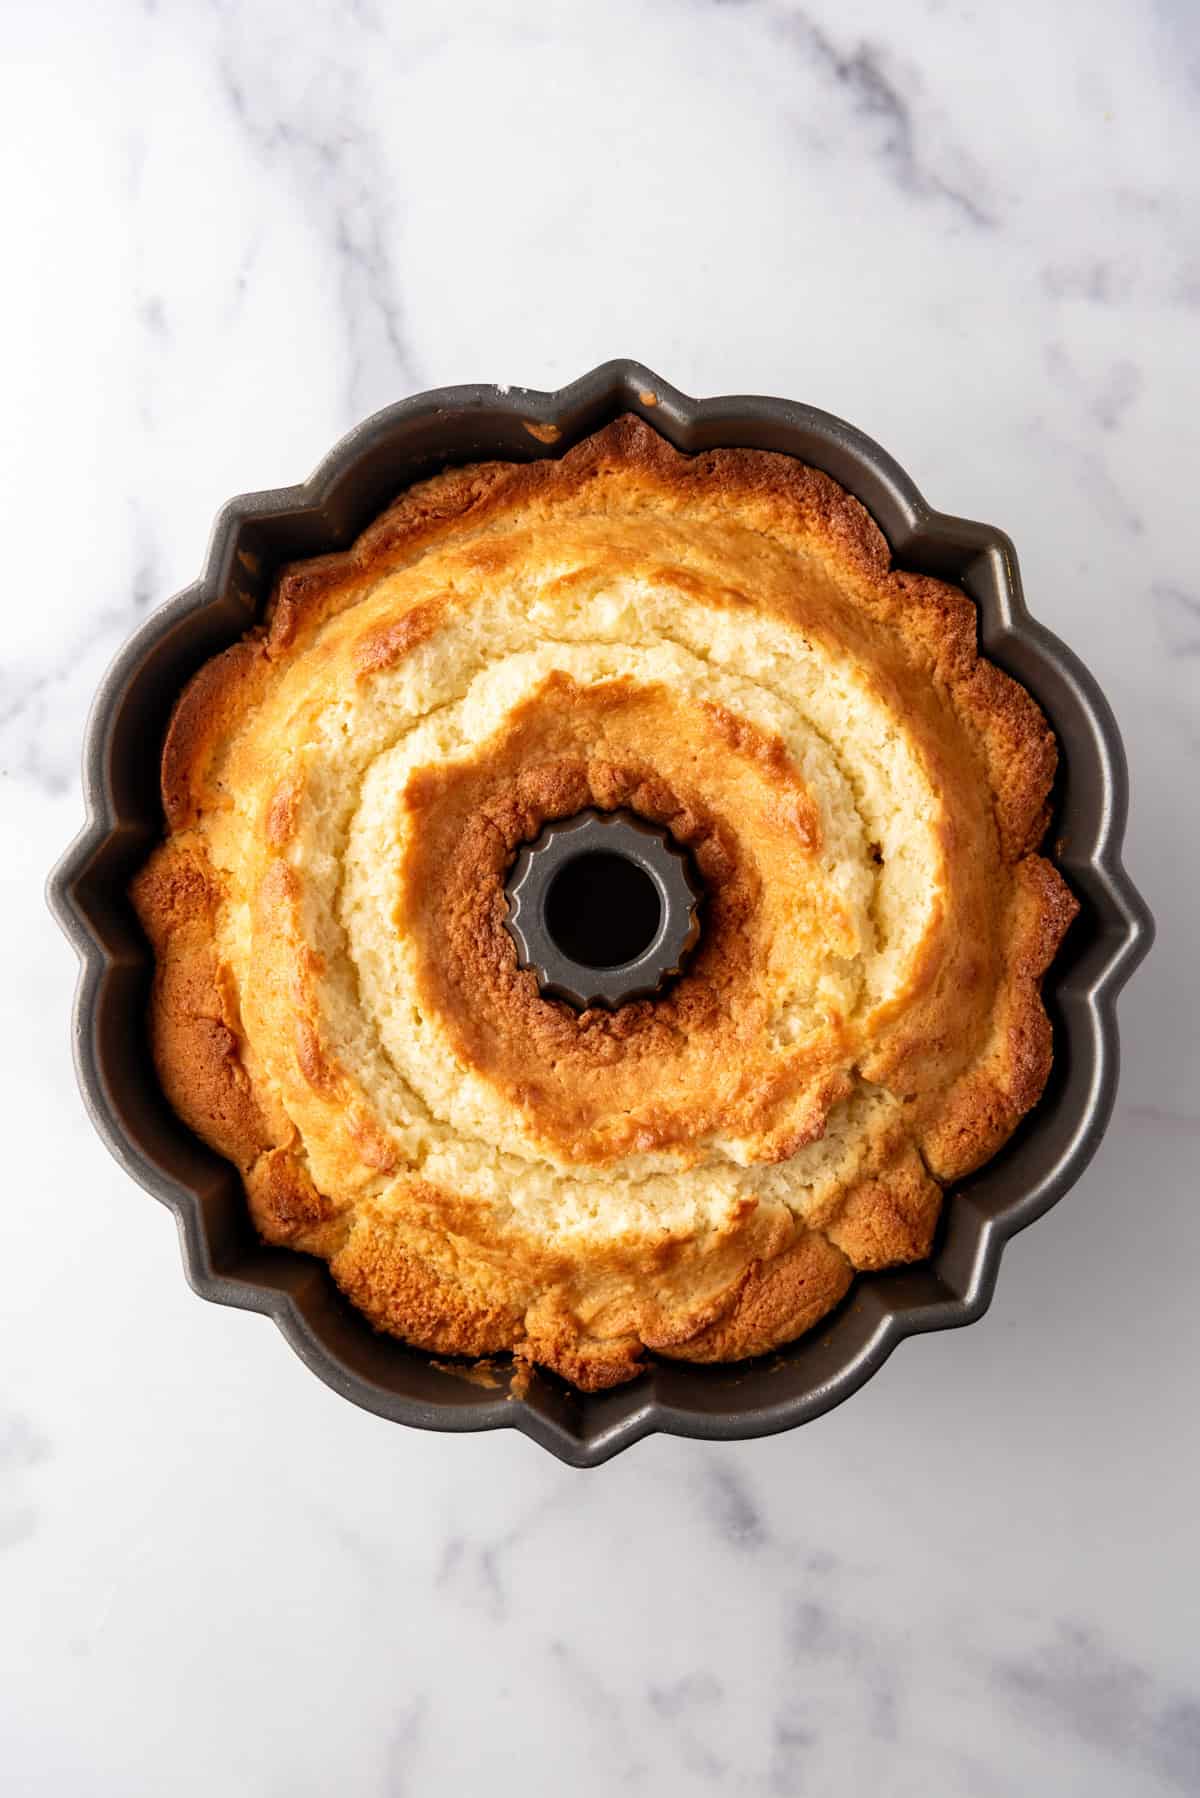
{"points": [[720, 645]]}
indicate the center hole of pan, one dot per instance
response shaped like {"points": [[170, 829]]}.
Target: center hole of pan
{"points": [[602, 910]]}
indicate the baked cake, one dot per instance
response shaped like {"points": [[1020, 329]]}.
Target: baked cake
{"points": [[720, 645]]}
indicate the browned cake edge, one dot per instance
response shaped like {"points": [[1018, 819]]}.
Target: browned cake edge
{"points": [[200, 1047]]}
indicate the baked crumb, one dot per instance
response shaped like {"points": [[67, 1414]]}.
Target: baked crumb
{"points": [[544, 433], [720, 644]]}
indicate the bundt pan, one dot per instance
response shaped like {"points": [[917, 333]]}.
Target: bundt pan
{"points": [[223, 1258]]}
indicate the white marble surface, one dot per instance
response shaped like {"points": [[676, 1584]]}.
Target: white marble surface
{"points": [[230, 231]]}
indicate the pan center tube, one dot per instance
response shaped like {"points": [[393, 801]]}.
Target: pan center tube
{"points": [[604, 908]]}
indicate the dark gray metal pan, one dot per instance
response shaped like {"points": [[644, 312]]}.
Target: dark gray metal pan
{"points": [[222, 1257]]}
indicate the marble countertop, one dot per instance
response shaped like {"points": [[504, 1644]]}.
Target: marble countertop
{"points": [[231, 231]]}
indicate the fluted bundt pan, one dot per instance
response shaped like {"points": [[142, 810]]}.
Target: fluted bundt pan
{"points": [[222, 1256]]}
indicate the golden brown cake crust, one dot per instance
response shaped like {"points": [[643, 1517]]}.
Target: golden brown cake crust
{"points": [[720, 644]]}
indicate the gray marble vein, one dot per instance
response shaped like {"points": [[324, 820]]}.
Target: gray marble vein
{"points": [[889, 114], [331, 163], [1076, 1681]]}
